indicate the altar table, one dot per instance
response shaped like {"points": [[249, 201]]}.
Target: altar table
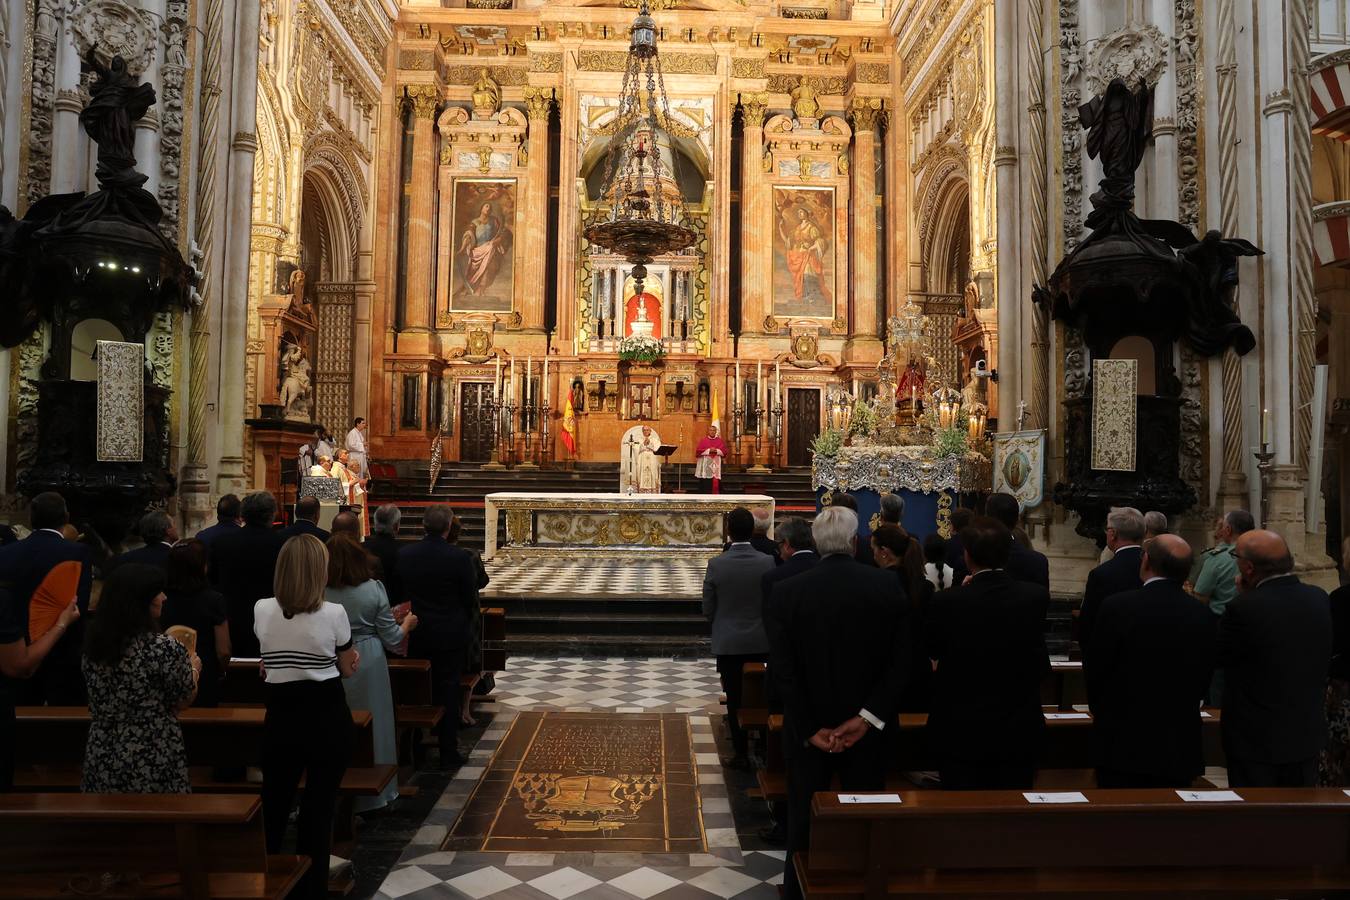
{"points": [[612, 525]]}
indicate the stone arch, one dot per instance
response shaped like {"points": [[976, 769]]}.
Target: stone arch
{"points": [[947, 164], [944, 226], [333, 190]]}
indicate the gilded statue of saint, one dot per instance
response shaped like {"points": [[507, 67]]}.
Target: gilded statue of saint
{"points": [[804, 103], [487, 95]]}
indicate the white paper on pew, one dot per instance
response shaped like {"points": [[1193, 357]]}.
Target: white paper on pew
{"points": [[1066, 664], [870, 798], [1205, 715], [1210, 796], [1056, 797], [1072, 715]]}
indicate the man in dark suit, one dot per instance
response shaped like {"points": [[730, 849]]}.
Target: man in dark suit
{"points": [[1024, 564], [383, 544], [956, 553], [988, 639], [306, 520], [243, 563], [1152, 655], [1124, 533], [863, 550], [227, 520], [733, 601], [1274, 647], [441, 581], [158, 533], [24, 566], [796, 549], [839, 638]]}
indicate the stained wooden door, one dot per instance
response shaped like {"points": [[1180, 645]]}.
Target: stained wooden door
{"points": [[475, 421], [803, 424]]}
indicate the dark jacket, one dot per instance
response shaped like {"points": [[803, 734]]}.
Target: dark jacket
{"points": [[796, 564], [304, 526], [1118, 574], [440, 580], [839, 638], [763, 544], [1152, 658], [207, 535], [1025, 564], [156, 554], [1275, 648], [243, 565], [956, 558], [989, 642], [201, 610], [733, 600], [385, 547], [1340, 633]]}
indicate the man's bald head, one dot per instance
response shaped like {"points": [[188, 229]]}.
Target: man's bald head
{"points": [[1261, 554], [1166, 556]]}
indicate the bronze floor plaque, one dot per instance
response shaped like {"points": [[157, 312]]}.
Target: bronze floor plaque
{"points": [[587, 781]]}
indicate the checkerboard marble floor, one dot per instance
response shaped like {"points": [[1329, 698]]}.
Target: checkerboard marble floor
{"points": [[617, 685], [675, 579]]}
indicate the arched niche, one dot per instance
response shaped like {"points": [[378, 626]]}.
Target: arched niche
{"points": [[683, 157], [1141, 349], [84, 338]]}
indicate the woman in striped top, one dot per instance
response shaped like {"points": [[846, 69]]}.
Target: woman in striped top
{"points": [[306, 652]]}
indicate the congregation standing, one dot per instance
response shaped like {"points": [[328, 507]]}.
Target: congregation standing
{"points": [[317, 609], [956, 629]]}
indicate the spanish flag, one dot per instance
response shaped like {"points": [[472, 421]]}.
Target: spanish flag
{"points": [[569, 426], [716, 413]]}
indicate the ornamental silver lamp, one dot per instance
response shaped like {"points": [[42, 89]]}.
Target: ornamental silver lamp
{"points": [[647, 217]]}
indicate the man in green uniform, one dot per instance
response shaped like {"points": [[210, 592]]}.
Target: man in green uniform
{"points": [[1216, 583]]}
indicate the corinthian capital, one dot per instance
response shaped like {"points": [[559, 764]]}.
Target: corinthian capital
{"points": [[753, 107], [863, 113], [538, 101], [423, 99]]}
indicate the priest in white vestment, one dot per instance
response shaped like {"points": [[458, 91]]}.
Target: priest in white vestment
{"points": [[352, 486], [639, 466], [356, 447]]}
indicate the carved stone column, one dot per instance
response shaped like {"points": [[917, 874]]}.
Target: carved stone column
{"points": [[421, 210], [538, 103], [864, 345], [755, 237]]}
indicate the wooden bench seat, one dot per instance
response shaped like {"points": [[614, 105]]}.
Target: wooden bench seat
{"points": [[184, 846], [1275, 843]]}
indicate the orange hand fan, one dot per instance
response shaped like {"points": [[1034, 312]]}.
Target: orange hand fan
{"points": [[52, 597]]}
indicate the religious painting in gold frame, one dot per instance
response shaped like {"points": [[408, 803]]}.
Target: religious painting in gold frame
{"points": [[482, 244], [803, 276]]}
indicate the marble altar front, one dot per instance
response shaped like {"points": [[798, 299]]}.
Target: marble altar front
{"points": [[612, 525]]}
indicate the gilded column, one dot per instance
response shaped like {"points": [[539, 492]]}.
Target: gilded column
{"points": [[538, 103], [421, 210], [755, 249], [863, 116]]}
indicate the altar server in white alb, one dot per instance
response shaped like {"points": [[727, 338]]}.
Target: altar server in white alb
{"points": [[356, 448], [639, 466]]}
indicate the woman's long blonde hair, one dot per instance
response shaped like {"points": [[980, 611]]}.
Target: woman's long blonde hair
{"points": [[301, 575]]}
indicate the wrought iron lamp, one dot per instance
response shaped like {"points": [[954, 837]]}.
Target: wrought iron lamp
{"points": [[646, 218]]}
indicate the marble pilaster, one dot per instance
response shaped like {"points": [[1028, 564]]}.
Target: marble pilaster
{"points": [[755, 236], [538, 103], [864, 346], [421, 210]]}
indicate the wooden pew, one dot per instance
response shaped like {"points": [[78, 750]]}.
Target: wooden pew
{"points": [[1275, 843], [1068, 744], [188, 846]]}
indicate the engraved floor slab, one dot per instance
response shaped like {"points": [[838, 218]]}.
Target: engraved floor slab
{"points": [[563, 782]]}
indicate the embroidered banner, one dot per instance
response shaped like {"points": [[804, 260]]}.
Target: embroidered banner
{"points": [[1019, 466], [121, 402], [1115, 413]]}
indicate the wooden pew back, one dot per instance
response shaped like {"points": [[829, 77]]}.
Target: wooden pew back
{"points": [[977, 842], [189, 837]]}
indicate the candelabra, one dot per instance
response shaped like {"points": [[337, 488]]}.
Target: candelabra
{"points": [[1265, 457], [545, 445], [757, 466], [528, 410], [777, 414], [509, 420], [737, 429], [496, 407]]}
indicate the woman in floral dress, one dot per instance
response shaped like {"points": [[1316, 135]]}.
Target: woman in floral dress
{"points": [[138, 681]]}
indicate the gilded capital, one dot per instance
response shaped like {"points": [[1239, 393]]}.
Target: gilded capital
{"points": [[863, 113], [538, 101], [423, 98], [753, 108]]}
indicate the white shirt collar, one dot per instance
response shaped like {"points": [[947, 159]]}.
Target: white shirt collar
{"points": [[1153, 579], [55, 531], [795, 552], [1128, 547]]}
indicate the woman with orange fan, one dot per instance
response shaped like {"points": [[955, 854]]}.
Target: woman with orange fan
{"points": [[20, 657]]}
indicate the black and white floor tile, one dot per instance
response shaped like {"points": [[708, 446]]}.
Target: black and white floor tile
{"points": [[675, 579], [727, 870]]}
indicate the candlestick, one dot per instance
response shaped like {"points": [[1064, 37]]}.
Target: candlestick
{"points": [[738, 383], [1265, 426], [497, 378], [778, 381], [545, 385]]}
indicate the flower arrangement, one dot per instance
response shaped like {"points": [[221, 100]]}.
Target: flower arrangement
{"points": [[950, 442], [828, 442], [863, 420], [640, 348]]}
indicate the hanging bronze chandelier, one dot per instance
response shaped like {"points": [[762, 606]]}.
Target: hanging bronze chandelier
{"points": [[647, 216]]}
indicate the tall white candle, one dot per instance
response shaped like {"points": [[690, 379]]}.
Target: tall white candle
{"points": [[759, 382], [777, 382], [1265, 426], [737, 399], [529, 369], [497, 378], [545, 379]]}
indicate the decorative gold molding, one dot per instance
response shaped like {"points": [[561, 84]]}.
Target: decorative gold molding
{"points": [[423, 99], [509, 76], [417, 60], [753, 108], [538, 102], [671, 63], [780, 83], [743, 67], [863, 113], [872, 73], [546, 62]]}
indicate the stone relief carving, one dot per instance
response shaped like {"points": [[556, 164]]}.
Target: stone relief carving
{"points": [[1071, 188], [1188, 214], [172, 74], [1132, 54], [43, 97], [115, 28]]}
